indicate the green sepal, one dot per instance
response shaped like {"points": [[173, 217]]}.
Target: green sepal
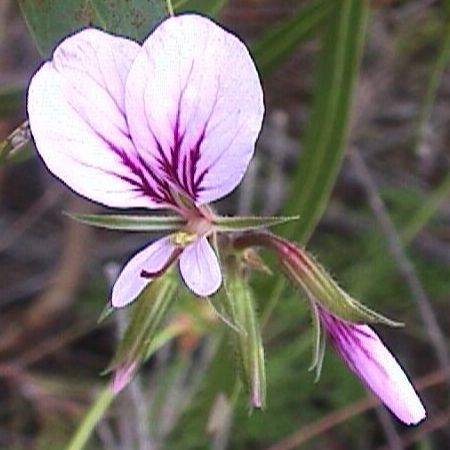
{"points": [[321, 288], [222, 223], [248, 344], [146, 315], [130, 223], [107, 311], [318, 343], [221, 306]]}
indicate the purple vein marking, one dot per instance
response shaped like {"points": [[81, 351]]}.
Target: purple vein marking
{"points": [[180, 167]]}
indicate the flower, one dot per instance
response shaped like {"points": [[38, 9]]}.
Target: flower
{"points": [[367, 356], [169, 124]]}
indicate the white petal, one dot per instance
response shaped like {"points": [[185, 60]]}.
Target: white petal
{"points": [[76, 113], [130, 283], [194, 91], [200, 268]]}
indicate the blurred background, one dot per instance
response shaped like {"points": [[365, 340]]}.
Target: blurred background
{"points": [[356, 140]]}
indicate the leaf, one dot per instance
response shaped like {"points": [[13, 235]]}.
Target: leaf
{"points": [[222, 223], [49, 21], [326, 135], [16, 146], [277, 44], [130, 223]]}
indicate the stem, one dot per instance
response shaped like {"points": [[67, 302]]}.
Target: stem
{"points": [[257, 239], [91, 419], [287, 252], [170, 7]]}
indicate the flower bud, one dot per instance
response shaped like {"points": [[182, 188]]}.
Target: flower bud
{"points": [[146, 315], [248, 340]]}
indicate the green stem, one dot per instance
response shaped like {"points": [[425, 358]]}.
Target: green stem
{"points": [[170, 7], [91, 419]]}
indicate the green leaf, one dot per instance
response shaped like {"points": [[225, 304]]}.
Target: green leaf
{"points": [[12, 100], [49, 21], [278, 43], [130, 223], [108, 310], [319, 342], [16, 146], [248, 223], [210, 8], [326, 135]]}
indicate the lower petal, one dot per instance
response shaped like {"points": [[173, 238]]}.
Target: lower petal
{"points": [[200, 268], [130, 283]]}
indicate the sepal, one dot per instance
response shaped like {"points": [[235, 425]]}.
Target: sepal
{"points": [[224, 224], [320, 287], [130, 223]]}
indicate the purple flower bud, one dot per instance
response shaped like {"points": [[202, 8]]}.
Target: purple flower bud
{"points": [[367, 356]]}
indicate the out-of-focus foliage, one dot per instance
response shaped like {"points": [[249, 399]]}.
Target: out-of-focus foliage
{"points": [[325, 139], [277, 44]]}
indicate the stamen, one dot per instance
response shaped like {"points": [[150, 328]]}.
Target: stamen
{"points": [[157, 273]]}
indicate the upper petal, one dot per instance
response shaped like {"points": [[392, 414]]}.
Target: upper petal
{"points": [[195, 106], [200, 268], [76, 113], [368, 357], [130, 283]]}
